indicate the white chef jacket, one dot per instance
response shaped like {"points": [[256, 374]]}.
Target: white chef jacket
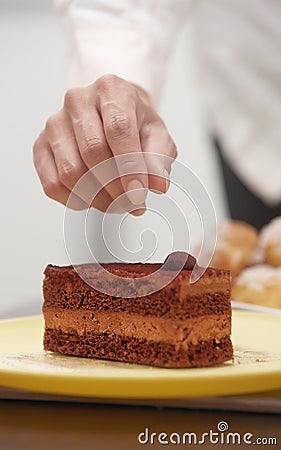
{"points": [[238, 52]]}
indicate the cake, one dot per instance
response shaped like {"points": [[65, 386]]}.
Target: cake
{"points": [[236, 245], [259, 285], [182, 325]]}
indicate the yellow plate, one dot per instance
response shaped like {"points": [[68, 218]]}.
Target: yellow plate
{"points": [[256, 366]]}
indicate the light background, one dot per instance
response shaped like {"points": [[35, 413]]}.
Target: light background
{"points": [[33, 79]]}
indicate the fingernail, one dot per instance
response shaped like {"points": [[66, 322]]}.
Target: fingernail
{"points": [[136, 192], [138, 211], [167, 179]]}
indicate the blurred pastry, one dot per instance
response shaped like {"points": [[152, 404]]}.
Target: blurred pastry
{"points": [[259, 285], [236, 244], [270, 242]]}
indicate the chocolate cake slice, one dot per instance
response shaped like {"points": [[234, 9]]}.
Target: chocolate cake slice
{"points": [[182, 325]]}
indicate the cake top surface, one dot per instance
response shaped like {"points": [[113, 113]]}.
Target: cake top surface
{"points": [[129, 270], [139, 279]]}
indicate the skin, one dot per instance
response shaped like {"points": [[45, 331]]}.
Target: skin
{"points": [[110, 117]]}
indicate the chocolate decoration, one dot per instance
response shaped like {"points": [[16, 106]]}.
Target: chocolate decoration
{"points": [[179, 260]]}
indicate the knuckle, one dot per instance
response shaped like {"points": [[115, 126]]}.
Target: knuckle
{"points": [[107, 81], [69, 173], [37, 146], [174, 150], [131, 164], [50, 124], [51, 188], [119, 125], [161, 124], [109, 85], [92, 149], [71, 97], [35, 149]]}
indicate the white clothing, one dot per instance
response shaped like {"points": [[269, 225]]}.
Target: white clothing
{"points": [[238, 47]]}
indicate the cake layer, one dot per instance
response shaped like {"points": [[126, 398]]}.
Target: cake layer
{"points": [[63, 288], [67, 276], [141, 327], [139, 351]]}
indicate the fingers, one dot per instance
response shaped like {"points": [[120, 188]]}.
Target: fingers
{"points": [[160, 151], [59, 134], [91, 145], [110, 117], [56, 188], [117, 107], [47, 171]]}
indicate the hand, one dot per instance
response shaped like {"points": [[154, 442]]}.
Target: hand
{"points": [[110, 117]]}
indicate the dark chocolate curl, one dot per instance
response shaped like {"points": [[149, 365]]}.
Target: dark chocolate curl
{"points": [[179, 260]]}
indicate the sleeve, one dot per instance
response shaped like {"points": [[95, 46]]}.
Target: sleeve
{"points": [[129, 38]]}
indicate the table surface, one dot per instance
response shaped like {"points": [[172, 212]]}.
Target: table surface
{"points": [[73, 426]]}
